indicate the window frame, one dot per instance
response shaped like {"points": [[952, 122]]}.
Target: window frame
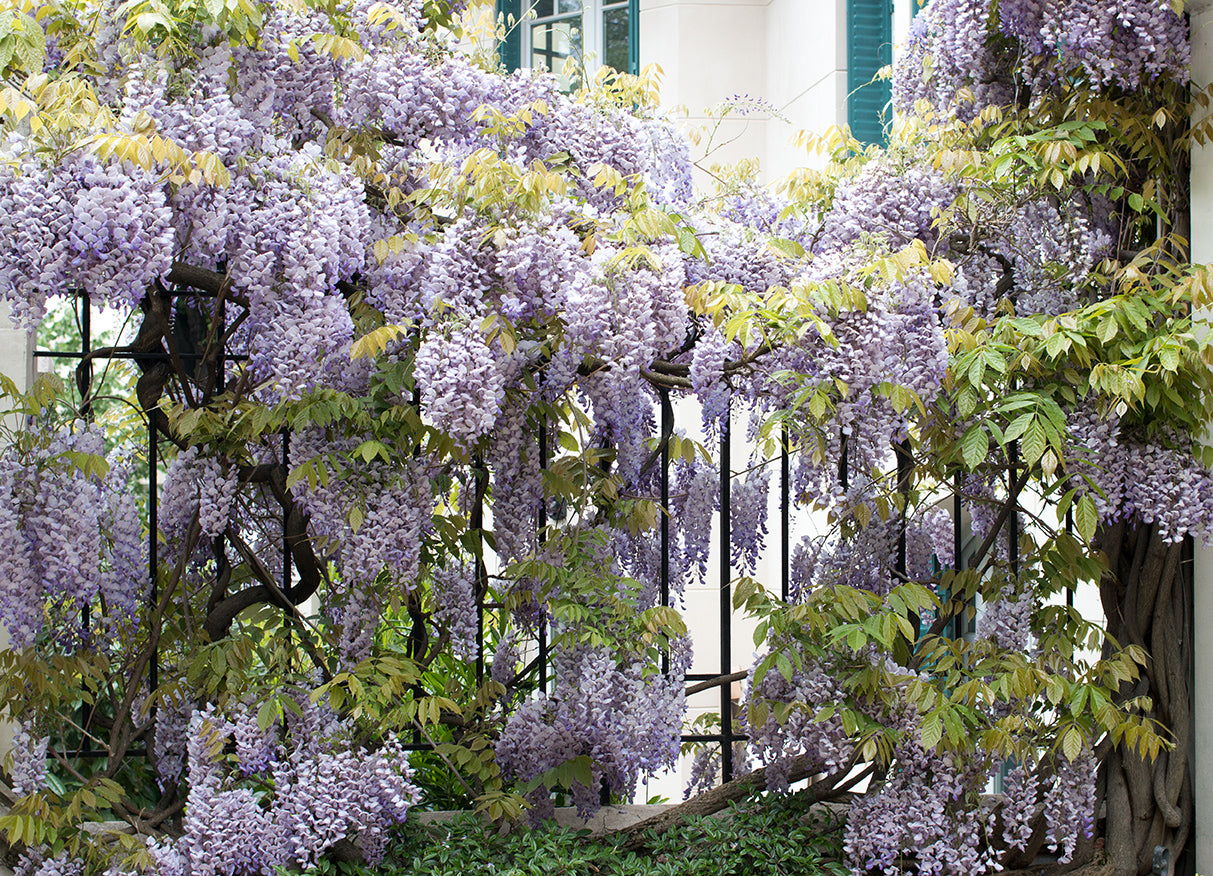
{"points": [[529, 26], [517, 49]]}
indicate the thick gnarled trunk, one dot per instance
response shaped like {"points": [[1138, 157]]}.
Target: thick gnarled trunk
{"points": [[1147, 598]]}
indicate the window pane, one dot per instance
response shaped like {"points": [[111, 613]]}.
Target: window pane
{"points": [[544, 8], [615, 38], [553, 43]]}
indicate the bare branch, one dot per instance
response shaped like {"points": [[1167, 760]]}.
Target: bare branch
{"points": [[718, 681]]}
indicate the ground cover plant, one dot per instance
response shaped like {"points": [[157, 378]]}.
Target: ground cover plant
{"points": [[776, 836], [404, 326]]}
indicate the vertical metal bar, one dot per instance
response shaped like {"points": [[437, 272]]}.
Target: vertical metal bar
{"points": [[86, 347], [416, 401], [153, 523], [843, 463], [905, 472], [480, 475], [541, 523], [286, 551], [958, 562], [667, 429], [726, 600], [86, 412], [1185, 857], [634, 37], [785, 518], [1070, 530], [286, 547], [1013, 518], [957, 525]]}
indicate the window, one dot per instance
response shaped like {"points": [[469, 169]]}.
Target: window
{"points": [[587, 32], [869, 47]]}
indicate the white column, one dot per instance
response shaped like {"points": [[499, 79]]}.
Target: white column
{"points": [[806, 63], [16, 351], [709, 51], [791, 53], [1202, 252], [17, 362]]}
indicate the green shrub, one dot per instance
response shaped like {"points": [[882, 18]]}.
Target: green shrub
{"points": [[771, 836]]}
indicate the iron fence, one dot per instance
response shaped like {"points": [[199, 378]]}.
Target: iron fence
{"points": [[722, 628]]}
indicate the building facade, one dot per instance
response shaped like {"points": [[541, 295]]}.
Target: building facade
{"points": [[799, 64]]}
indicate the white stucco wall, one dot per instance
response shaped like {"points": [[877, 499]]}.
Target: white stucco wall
{"points": [[709, 51], [1202, 251]]}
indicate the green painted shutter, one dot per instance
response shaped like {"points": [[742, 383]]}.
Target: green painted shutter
{"points": [[511, 48], [869, 47]]}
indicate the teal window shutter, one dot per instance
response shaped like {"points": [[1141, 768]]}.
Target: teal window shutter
{"points": [[869, 47], [511, 47]]}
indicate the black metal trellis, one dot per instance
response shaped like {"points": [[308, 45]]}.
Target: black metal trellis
{"points": [[85, 375], [726, 735]]}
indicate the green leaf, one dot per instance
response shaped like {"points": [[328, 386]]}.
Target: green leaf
{"points": [[371, 449], [1086, 518], [787, 247], [758, 713], [977, 371], [1071, 743], [148, 21], [267, 714], [974, 447], [932, 730], [1034, 443], [1018, 426], [785, 667]]}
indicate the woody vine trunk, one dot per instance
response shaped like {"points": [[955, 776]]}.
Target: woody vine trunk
{"points": [[1147, 597]]}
